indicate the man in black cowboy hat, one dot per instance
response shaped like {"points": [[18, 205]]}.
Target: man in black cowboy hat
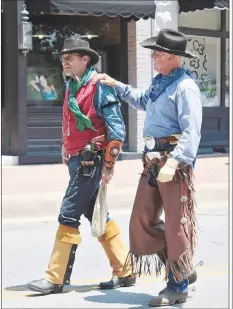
{"points": [[172, 132], [93, 132]]}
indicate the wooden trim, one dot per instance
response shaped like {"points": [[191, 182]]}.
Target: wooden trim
{"points": [[14, 81], [45, 110], [217, 112], [124, 69], [124, 50], [205, 32], [40, 158], [223, 60], [43, 104]]}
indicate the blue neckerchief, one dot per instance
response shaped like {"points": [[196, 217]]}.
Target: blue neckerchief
{"points": [[160, 82]]}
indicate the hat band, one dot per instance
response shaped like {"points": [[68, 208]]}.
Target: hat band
{"points": [[175, 50]]}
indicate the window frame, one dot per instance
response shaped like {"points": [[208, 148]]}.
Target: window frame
{"points": [[223, 34]]}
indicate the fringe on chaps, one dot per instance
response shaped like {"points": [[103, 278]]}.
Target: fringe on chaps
{"points": [[155, 244]]}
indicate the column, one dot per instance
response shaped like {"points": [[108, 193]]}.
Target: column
{"points": [[140, 75]]}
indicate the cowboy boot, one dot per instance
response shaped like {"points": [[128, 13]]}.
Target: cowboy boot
{"points": [[168, 298], [61, 262], [117, 253], [191, 278]]}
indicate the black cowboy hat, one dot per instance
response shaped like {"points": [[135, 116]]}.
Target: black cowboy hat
{"points": [[73, 45], [169, 41]]}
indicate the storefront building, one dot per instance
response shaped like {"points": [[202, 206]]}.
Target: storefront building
{"points": [[206, 23], [32, 115]]}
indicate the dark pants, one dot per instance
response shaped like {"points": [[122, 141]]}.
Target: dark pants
{"points": [[80, 195]]}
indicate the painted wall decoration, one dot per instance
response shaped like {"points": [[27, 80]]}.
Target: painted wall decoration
{"points": [[200, 67], [44, 84]]}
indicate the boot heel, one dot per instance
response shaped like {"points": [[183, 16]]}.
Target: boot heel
{"points": [[182, 300], [129, 282], [57, 289]]}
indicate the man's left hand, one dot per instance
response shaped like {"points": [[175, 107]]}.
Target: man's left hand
{"points": [[167, 172], [107, 174]]}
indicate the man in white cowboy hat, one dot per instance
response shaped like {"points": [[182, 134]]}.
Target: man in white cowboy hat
{"points": [[93, 133], [172, 132]]}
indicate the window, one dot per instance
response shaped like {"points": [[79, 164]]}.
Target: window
{"points": [[45, 81], [206, 68]]}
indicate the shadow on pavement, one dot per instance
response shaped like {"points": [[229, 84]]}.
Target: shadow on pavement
{"points": [[140, 300], [17, 288], [66, 289]]}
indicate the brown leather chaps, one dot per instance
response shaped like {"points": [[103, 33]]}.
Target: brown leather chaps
{"points": [[154, 243]]}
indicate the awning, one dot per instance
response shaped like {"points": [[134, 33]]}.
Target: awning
{"points": [[125, 8], [194, 5]]}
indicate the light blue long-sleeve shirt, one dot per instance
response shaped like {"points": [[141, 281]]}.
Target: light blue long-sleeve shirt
{"points": [[178, 110]]}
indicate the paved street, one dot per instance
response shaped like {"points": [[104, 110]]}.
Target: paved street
{"points": [[31, 200]]}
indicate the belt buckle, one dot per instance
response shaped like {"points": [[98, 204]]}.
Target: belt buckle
{"points": [[150, 142]]}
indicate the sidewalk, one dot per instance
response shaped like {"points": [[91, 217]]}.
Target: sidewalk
{"points": [[37, 190]]}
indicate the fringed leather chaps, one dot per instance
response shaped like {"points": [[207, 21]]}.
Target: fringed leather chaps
{"points": [[152, 242]]}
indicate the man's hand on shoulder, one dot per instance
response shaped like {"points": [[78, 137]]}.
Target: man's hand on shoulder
{"points": [[104, 79]]}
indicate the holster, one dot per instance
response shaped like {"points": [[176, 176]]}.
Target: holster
{"points": [[91, 158]]}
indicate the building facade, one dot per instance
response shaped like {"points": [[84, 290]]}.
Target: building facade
{"points": [[208, 36], [34, 86]]}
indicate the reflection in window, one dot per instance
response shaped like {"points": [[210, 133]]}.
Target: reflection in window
{"points": [[54, 39], [45, 81], [97, 30], [206, 68]]}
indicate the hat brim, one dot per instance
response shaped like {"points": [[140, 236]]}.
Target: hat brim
{"points": [[154, 46], [88, 51]]}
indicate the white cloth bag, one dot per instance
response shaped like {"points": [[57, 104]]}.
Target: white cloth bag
{"points": [[100, 213]]}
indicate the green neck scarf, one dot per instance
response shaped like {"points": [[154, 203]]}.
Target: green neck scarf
{"points": [[82, 120]]}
